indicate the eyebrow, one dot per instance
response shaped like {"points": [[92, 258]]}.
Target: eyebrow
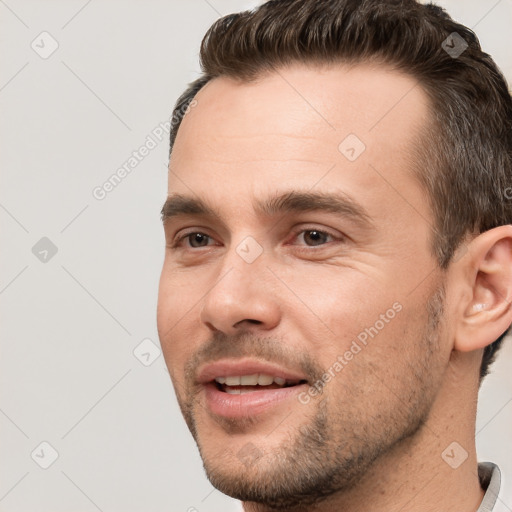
{"points": [[289, 202]]}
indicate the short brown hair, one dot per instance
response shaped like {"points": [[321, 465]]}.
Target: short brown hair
{"points": [[464, 161]]}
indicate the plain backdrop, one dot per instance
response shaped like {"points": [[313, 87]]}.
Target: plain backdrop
{"points": [[84, 389]]}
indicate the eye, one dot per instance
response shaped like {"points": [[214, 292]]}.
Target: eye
{"points": [[195, 238], [309, 238], [314, 237]]}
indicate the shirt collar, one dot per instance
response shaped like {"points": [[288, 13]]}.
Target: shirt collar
{"points": [[490, 480]]}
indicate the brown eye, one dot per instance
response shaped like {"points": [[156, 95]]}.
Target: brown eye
{"points": [[314, 237], [197, 239]]}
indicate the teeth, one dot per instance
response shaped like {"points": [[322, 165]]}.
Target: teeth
{"points": [[237, 391], [265, 380], [249, 380], [260, 379]]}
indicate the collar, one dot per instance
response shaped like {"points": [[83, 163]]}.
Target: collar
{"points": [[490, 480]]}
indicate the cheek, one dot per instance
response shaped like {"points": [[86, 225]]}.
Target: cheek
{"points": [[179, 294], [344, 315], [174, 312], [336, 300]]}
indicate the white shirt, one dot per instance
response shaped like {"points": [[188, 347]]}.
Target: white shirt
{"points": [[490, 480]]}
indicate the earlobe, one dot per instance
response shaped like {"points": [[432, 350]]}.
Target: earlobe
{"points": [[488, 314]]}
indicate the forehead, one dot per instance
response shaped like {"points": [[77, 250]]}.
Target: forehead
{"points": [[347, 128]]}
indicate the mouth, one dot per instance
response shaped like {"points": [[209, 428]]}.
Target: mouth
{"points": [[247, 388], [242, 384]]}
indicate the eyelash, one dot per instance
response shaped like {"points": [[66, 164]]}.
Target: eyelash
{"points": [[176, 244]]}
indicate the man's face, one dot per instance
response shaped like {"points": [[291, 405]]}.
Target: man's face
{"points": [[281, 292]]}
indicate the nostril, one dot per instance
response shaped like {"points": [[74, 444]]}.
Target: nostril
{"points": [[249, 320]]}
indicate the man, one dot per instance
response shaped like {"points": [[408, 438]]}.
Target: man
{"points": [[338, 270]]}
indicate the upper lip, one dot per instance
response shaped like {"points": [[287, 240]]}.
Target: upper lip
{"points": [[234, 367]]}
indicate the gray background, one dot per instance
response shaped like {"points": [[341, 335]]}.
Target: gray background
{"points": [[71, 321]]}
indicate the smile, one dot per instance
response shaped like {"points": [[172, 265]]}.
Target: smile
{"points": [[241, 384], [248, 387]]}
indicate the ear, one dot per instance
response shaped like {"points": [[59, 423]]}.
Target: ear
{"points": [[487, 310]]}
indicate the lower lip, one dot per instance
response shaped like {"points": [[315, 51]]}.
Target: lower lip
{"points": [[227, 405]]}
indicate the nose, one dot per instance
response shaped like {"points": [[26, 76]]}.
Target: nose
{"points": [[241, 297]]}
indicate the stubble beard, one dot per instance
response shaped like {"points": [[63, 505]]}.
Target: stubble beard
{"points": [[335, 449]]}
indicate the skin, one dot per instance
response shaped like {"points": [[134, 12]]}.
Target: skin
{"points": [[411, 391]]}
